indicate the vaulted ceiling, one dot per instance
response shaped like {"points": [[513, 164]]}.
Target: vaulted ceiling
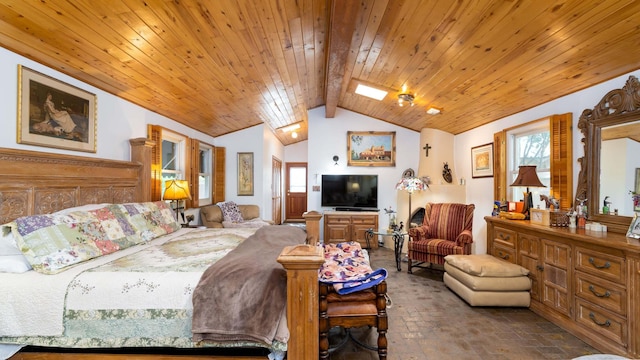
{"points": [[221, 65]]}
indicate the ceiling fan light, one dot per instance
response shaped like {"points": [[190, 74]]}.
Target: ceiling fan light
{"points": [[405, 97]]}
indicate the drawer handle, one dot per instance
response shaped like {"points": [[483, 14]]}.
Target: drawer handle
{"points": [[607, 323], [593, 290], [503, 255], [503, 237], [593, 262]]}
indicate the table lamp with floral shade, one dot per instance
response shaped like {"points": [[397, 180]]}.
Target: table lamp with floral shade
{"points": [[411, 184]]}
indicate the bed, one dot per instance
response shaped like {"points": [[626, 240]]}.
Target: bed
{"points": [[39, 183]]}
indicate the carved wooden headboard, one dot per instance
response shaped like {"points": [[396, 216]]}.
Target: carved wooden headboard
{"points": [[40, 183]]}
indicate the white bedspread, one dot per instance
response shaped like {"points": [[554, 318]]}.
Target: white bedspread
{"points": [[137, 297], [36, 310]]}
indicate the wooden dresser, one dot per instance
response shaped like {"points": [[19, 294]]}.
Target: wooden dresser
{"points": [[340, 226], [585, 282]]}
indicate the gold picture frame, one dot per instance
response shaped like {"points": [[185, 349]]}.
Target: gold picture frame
{"points": [[245, 174], [55, 114], [371, 148], [634, 227], [482, 161]]}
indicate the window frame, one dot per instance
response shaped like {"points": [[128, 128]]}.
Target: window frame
{"points": [[512, 161], [198, 172], [181, 162], [561, 162]]}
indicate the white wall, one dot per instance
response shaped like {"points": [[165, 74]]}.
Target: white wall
{"points": [[328, 137], [480, 191], [118, 120]]}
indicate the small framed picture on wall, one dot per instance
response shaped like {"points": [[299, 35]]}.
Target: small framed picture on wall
{"points": [[482, 161]]}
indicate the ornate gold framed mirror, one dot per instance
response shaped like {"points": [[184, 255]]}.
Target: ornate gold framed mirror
{"points": [[611, 138]]}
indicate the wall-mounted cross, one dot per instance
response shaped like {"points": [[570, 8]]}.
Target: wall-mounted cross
{"points": [[426, 148]]}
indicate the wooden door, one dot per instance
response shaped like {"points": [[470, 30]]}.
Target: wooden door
{"points": [[276, 190], [296, 191]]}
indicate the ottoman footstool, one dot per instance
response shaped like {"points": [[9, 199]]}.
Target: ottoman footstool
{"points": [[484, 280]]}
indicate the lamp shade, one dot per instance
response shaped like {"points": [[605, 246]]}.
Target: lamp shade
{"points": [[176, 190], [411, 184], [527, 176]]}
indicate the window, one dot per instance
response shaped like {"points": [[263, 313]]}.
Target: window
{"points": [[173, 157], [546, 143], [298, 179], [529, 145], [205, 174]]}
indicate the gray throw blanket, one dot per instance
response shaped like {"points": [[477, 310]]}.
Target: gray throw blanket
{"points": [[242, 297]]}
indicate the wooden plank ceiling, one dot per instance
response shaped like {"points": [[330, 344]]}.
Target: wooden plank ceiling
{"points": [[220, 66]]}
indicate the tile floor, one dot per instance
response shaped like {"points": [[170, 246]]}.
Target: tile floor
{"points": [[428, 321]]}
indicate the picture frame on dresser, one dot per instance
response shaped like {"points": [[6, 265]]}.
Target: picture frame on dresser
{"points": [[55, 114], [634, 227]]}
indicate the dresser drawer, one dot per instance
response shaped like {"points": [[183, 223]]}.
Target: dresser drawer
{"points": [[601, 321], [337, 219], [504, 252], [600, 264], [601, 292], [364, 219], [504, 237]]}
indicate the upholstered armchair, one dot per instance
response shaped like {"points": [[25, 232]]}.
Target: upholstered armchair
{"points": [[446, 230]]}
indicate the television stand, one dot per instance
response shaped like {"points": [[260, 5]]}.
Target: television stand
{"points": [[342, 226]]}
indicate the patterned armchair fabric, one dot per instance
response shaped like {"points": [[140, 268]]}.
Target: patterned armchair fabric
{"points": [[446, 230]]}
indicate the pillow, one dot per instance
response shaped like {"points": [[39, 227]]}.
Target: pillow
{"points": [[87, 207], [11, 258], [230, 212], [485, 265], [54, 242], [150, 219]]}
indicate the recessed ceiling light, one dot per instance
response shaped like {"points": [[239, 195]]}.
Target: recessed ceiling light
{"points": [[433, 111], [370, 92], [290, 127]]}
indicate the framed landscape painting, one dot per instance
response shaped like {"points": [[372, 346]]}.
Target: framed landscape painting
{"points": [[371, 148], [55, 114], [482, 161]]}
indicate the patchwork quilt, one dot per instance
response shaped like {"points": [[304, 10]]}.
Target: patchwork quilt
{"points": [[108, 300]]}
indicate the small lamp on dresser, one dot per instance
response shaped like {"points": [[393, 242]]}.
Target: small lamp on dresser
{"points": [[527, 176]]}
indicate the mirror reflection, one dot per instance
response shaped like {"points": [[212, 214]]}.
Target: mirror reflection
{"points": [[619, 168]]}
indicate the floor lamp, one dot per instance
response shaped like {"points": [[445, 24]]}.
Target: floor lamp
{"points": [[411, 184], [527, 176], [176, 190]]}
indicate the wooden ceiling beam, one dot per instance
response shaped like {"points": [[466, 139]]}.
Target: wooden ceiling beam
{"points": [[341, 27]]}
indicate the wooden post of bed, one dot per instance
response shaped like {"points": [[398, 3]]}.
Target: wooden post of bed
{"points": [[302, 263], [312, 219]]}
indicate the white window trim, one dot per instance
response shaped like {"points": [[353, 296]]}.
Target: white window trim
{"points": [[208, 200], [181, 157]]}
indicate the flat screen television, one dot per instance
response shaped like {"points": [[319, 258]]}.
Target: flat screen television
{"points": [[350, 192]]}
